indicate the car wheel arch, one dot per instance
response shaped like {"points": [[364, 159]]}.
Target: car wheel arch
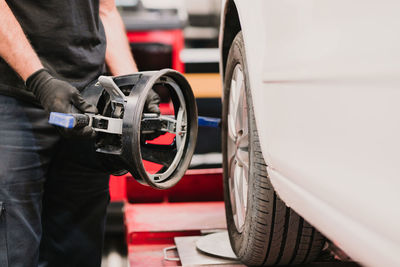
{"points": [[230, 27]]}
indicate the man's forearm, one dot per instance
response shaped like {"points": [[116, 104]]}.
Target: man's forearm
{"points": [[119, 57], [15, 48]]}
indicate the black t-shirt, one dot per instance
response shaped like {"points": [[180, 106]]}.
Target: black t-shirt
{"points": [[68, 37]]}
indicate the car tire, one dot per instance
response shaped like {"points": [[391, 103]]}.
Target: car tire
{"points": [[263, 231]]}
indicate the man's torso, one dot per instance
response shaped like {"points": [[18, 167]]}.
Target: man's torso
{"points": [[68, 37]]}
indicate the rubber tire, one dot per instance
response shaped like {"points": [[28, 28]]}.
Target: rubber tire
{"points": [[273, 234]]}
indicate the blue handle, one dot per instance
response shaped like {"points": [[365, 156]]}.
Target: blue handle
{"points": [[69, 121], [62, 120], [209, 122]]}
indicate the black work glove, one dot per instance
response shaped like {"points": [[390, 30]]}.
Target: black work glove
{"points": [[152, 102], [151, 106], [59, 96]]}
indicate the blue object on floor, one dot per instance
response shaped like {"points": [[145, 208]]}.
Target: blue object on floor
{"points": [[209, 122]]}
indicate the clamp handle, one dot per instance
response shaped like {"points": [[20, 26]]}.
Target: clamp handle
{"points": [[76, 120], [69, 121]]}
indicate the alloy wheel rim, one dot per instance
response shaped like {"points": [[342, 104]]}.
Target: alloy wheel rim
{"points": [[238, 147]]}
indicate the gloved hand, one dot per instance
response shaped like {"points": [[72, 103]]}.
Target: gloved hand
{"points": [[151, 106], [59, 96], [152, 102]]}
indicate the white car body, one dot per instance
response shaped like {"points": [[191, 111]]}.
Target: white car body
{"points": [[325, 80]]}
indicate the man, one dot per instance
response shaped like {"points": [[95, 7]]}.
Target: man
{"points": [[53, 191]]}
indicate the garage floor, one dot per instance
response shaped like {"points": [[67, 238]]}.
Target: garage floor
{"points": [[148, 235], [177, 226]]}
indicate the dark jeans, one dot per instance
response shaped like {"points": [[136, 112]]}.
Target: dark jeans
{"points": [[53, 193]]}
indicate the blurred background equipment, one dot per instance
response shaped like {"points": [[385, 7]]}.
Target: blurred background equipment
{"points": [[203, 23], [155, 33]]}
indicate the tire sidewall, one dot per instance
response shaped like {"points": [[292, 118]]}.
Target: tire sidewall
{"points": [[236, 56]]}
